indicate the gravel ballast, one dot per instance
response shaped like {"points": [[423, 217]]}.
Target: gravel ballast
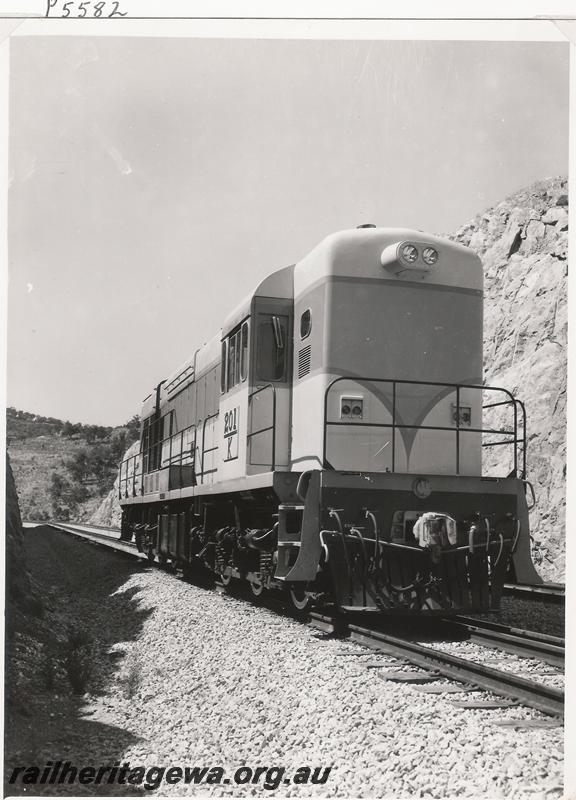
{"points": [[208, 680]]}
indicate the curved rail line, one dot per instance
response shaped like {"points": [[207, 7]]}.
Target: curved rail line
{"points": [[528, 644]]}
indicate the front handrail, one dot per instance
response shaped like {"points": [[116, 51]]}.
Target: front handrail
{"points": [[517, 440]]}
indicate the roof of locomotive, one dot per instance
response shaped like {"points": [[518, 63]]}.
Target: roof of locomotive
{"points": [[336, 249], [277, 284], [357, 253], [352, 252], [203, 359]]}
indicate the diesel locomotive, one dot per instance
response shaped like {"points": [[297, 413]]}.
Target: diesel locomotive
{"points": [[335, 440]]}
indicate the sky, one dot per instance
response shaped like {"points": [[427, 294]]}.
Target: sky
{"points": [[154, 182]]}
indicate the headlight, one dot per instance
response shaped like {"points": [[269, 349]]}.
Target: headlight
{"points": [[409, 253], [422, 488], [430, 255]]}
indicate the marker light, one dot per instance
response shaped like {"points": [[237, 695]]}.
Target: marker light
{"points": [[351, 407], [430, 255], [409, 253]]}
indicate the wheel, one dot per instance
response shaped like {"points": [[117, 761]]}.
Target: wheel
{"points": [[299, 599], [256, 587], [225, 579]]}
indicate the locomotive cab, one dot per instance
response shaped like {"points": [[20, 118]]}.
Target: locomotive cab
{"points": [[256, 381]]}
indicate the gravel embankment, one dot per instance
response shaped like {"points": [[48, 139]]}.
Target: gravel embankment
{"points": [[186, 677]]}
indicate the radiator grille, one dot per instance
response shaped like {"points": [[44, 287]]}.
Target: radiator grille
{"points": [[304, 361]]}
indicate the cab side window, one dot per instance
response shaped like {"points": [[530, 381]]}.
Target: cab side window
{"points": [[244, 351], [235, 358], [305, 324]]}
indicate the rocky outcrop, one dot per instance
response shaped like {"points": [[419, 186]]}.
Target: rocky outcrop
{"points": [[109, 511], [18, 585], [18, 582], [523, 244]]}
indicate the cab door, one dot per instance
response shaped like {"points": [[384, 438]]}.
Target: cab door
{"points": [[269, 399], [232, 421]]}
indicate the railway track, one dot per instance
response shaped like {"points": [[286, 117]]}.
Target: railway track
{"points": [[527, 644], [553, 592], [109, 537], [468, 674]]}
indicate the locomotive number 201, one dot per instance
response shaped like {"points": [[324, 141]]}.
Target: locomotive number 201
{"points": [[231, 422], [231, 433]]}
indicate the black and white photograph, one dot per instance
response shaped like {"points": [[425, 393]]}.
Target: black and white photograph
{"points": [[287, 319]]}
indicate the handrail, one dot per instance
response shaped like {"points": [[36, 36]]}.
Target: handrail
{"points": [[204, 451], [518, 440], [524, 436], [183, 458], [270, 427]]}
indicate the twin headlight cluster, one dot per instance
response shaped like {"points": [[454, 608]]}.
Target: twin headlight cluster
{"points": [[410, 257], [410, 254]]}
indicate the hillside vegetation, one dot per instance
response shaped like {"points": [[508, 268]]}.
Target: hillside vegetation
{"points": [[63, 470]]}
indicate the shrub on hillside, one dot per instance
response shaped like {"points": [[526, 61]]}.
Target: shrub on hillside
{"points": [[71, 463]]}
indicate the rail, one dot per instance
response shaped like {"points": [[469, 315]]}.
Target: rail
{"points": [[527, 644], [536, 695], [111, 540], [551, 592], [517, 440], [545, 698]]}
